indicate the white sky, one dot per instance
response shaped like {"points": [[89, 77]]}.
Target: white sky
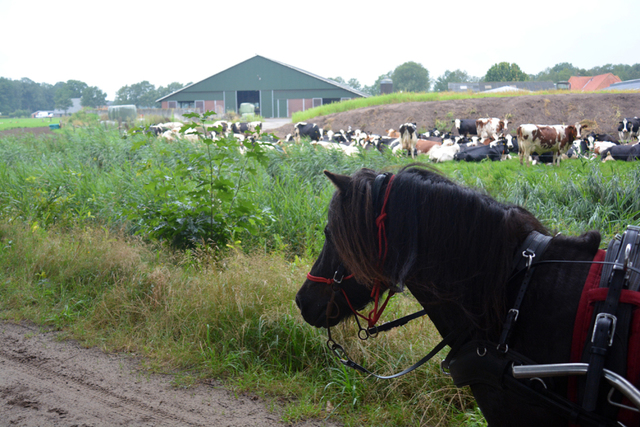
{"points": [[110, 44]]}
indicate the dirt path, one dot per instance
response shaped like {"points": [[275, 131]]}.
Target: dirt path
{"points": [[47, 382]]}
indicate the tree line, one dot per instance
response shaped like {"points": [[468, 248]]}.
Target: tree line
{"points": [[22, 97], [414, 77]]}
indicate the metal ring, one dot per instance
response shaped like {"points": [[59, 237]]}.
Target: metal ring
{"points": [[366, 334], [481, 353]]}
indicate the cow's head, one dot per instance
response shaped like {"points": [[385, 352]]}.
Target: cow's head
{"points": [[457, 123]]}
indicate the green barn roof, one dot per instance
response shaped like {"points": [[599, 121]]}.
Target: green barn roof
{"points": [[263, 74]]}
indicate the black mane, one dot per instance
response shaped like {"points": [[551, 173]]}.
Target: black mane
{"points": [[445, 241]]}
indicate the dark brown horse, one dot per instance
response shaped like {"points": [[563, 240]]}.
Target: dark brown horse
{"points": [[454, 248]]}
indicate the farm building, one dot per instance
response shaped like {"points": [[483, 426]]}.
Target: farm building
{"points": [[485, 86], [591, 83], [274, 88], [625, 85]]}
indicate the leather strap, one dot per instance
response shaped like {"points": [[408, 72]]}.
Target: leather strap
{"points": [[534, 246]]}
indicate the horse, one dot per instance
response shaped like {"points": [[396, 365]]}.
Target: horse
{"points": [[455, 248]]}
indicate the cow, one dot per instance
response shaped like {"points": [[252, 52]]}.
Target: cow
{"points": [[476, 154], [386, 143], [423, 146], [245, 128], [541, 139], [465, 127], [310, 130], [443, 153], [628, 128], [599, 147], [626, 153], [592, 137], [491, 128], [393, 133], [409, 137]]}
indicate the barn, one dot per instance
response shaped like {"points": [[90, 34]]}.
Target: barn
{"points": [[276, 89]]}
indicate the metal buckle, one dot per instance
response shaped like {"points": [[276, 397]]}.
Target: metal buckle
{"points": [[529, 254], [516, 312], [612, 326]]}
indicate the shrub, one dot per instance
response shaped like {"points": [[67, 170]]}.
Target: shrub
{"points": [[200, 195]]}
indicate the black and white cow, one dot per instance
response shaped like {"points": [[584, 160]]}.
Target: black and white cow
{"points": [[466, 127], [627, 153], [409, 137], [310, 130], [628, 128], [481, 152]]}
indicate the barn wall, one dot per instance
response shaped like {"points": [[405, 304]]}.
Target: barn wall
{"points": [[266, 104], [230, 101]]}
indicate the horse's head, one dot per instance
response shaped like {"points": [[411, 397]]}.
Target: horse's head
{"points": [[330, 294]]}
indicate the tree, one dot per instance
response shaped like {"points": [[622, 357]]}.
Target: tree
{"points": [[75, 88], [374, 89], [171, 87], [559, 73], [93, 97], [338, 79], [411, 77], [354, 83], [505, 72], [62, 98], [456, 76]]}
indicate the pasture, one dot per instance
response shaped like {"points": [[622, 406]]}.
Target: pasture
{"points": [[7, 123], [76, 254]]}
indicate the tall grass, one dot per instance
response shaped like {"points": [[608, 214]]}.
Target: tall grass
{"points": [[70, 259]]}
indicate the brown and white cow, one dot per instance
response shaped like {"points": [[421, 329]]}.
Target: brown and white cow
{"points": [[423, 146], [491, 128], [541, 139]]}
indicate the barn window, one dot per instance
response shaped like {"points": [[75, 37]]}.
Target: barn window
{"points": [[463, 87], [317, 102], [172, 104], [186, 104]]}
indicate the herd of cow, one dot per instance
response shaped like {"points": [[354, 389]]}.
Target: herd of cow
{"points": [[470, 140], [486, 138]]}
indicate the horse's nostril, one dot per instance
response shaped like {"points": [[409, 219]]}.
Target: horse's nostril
{"points": [[297, 301]]}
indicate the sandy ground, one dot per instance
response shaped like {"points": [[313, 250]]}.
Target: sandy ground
{"points": [[48, 382]]}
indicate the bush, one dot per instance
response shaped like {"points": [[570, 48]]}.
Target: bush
{"points": [[20, 113], [200, 196]]}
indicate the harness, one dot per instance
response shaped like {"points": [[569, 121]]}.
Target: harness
{"points": [[481, 362]]}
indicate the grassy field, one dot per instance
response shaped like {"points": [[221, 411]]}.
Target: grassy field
{"points": [[12, 123], [75, 255]]}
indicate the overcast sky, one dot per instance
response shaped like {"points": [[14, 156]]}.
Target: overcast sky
{"points": [[110, 44]]}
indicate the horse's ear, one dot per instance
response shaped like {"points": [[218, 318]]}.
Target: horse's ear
{"points": [[340, 181]]}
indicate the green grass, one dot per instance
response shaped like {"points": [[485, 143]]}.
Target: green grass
{"points": [[7, 123], [70, 258]]}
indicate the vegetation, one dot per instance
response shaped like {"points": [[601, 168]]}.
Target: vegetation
{"points": [[80, 250], [144, 94], [13, 123], [505, 72]]}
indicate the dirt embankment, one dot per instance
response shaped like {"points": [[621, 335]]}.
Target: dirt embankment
{"points": [[604, 110]]}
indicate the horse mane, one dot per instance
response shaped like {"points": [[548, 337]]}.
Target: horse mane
{"points": [[447, 242]]}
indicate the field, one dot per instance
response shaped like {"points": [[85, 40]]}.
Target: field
{"points": [[97, 234], [14, 123]]}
